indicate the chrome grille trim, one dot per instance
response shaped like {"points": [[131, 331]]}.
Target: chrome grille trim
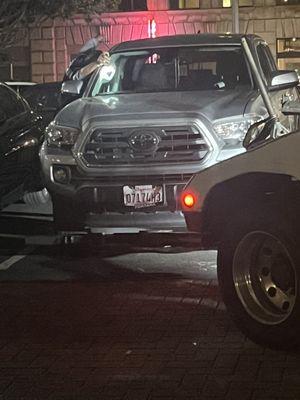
{"points": [[177, 144]]}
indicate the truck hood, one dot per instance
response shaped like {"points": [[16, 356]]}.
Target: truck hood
{"points": [[210, 105]]}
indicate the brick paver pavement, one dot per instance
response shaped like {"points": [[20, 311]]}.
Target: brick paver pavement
{"points": [[132, 337]]}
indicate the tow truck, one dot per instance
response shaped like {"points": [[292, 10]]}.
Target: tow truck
{"points": [[248, 208]]}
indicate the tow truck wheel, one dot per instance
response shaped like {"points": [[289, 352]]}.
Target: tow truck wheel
{"points": [[258, 272]]}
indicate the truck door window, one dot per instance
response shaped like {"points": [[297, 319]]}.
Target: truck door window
{"points": [[174, 69], [266, 61]]}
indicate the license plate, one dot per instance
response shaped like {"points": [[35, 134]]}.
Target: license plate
{"points": [[142, 196]]}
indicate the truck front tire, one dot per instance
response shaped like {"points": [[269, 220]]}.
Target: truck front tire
{"points": [[258, 272]]}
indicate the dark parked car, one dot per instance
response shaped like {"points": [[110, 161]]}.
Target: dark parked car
{"points": [[21, 133], [19, 86], [45, 99]]}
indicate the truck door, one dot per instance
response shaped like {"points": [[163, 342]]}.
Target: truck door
{"points": [[278, 97]]}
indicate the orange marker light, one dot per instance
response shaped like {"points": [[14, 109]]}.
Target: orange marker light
{"points": [[189, 200]]}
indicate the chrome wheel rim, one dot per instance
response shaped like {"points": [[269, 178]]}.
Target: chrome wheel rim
{"points": [[265, 277]]}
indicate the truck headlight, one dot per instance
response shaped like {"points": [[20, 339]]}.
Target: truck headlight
{"points": [[61, 136], [233, 130]]}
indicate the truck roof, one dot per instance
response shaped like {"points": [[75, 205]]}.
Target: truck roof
{"points": [[183, 40]]}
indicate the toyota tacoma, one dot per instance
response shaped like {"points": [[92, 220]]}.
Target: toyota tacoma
{"points": [[117, 159]]}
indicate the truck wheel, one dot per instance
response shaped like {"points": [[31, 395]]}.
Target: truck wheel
{"points": [[67, 217], [258, 272]]}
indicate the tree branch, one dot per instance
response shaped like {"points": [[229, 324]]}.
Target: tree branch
{"points": [[18, 14]]}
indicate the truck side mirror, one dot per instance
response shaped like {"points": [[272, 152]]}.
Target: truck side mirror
{"points": [[260, 132], [283, 80], [291, 107], [72, 87]]}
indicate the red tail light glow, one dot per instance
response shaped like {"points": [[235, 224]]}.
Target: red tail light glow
{"points": [[189, 200]]}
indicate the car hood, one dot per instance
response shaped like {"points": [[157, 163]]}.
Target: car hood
{"points": [[210, 105]]}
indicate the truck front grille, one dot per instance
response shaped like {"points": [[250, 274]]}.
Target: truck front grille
{"points": [[167, 144]]}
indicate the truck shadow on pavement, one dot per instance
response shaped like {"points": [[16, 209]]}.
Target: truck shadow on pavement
{"points": [[126, 256]]}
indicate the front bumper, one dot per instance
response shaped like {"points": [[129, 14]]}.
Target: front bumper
{"points": [[133, 222], [100, 199]]}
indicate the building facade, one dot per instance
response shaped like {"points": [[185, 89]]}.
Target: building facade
{"points": [[42, 53]]}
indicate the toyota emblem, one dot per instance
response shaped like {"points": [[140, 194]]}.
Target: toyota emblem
{"points": [[144, 141]]}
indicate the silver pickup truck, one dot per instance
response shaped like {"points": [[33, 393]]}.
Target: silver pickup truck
{"points": [[117, 159]]}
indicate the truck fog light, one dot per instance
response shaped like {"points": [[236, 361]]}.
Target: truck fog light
{"points": [[189, 200], [61, 174]]}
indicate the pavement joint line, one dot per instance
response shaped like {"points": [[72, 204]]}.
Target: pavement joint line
{"points": [[12, 236], [5, 265], [31, 240], [40, 217]]}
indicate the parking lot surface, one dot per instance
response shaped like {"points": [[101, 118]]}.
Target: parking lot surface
{"points": [[129, 318]]}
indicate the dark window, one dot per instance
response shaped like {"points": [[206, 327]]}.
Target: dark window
{"points": [[174, 69], [184, 4], [288, 53], [287, 2], [43, 94], [133, 5], [242, 3], [189, 4], [10, 103], [266, 61]]}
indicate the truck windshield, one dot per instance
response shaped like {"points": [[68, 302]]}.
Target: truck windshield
{"points": [[172, 69]]}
